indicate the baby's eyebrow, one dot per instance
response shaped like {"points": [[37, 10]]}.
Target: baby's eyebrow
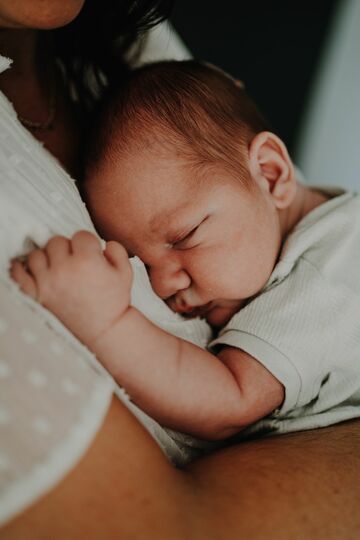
{"points": [[167, 230], [157, 221], [166, 220], [176, 229], [174, 216]]}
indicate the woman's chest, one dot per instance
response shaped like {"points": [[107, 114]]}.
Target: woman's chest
{"points": [[38, 198]]}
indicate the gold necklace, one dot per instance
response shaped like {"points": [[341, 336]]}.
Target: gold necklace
{"points": [[48, 123]]}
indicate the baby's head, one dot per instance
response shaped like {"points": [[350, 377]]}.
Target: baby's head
{"points": [[183, 172]]}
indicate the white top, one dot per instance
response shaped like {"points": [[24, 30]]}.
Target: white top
{"points": [[304, 327], [53, 393]]}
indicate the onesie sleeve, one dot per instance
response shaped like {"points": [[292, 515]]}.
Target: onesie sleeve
{"points": [[53, 400], [289, 329]]}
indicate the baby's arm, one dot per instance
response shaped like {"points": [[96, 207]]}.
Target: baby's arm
{"points": [[183, 386], [179, 384]]}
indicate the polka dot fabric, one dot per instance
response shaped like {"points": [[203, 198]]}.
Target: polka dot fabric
{"points": [[52, 402]]}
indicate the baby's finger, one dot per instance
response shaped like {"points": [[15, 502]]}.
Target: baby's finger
{"points": [[116, 254], [57, 249], [37, 263], [23, 278], [85, 242]]}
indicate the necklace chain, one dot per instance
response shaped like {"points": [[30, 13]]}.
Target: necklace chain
{"points": [[48, 123]]}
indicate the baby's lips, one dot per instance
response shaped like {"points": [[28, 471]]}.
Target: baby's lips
{"points": [[199, 311], [179, 306], [194, 311], [183, 310], [176, 304]]}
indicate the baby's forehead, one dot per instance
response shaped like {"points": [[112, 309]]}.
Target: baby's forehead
{"points": [[144, 182], [164, 174], [168, 220]]}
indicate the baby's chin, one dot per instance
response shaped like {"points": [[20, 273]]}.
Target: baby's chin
{"points": [[218, 316]]}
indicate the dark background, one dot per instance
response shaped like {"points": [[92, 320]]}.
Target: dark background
{"points": [[274, 49]]}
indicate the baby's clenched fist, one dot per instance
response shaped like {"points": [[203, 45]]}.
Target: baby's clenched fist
{"points": [[87, 288]]}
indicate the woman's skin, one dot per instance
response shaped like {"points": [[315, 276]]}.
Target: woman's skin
{"points": [[300, 486], [33, 80]]}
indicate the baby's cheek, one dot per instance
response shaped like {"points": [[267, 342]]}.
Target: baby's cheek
{"points": [[209, 276]]}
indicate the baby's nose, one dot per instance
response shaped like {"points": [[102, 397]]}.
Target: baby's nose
{"points": [[167, 281]]}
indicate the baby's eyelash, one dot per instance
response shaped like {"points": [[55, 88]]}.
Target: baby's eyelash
{"points": [[186, 235], [183, 238]]}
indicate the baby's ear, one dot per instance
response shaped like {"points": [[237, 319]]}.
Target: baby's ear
{"points": [[271, 167]]}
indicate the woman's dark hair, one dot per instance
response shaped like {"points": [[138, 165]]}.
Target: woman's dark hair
{"points": [[93, 48]]}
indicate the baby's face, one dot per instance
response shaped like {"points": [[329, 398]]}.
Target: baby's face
{"points": [[208, 243]]}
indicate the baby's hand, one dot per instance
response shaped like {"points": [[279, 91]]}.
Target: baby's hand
{"points": [[86, 288]]}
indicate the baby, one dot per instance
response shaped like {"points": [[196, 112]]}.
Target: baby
{"points": [[184, 173]]}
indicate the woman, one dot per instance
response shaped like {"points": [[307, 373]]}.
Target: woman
{"points": [[122, 486]]}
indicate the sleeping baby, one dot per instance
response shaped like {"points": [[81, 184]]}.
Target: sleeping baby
{"points": [[184, 173]]}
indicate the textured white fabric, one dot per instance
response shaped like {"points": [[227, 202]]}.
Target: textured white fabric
{"points": [[52, 402], [53, 392], [304, 327]]}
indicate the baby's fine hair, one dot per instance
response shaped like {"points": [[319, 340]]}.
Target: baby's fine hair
{"points": [[190, 106]]}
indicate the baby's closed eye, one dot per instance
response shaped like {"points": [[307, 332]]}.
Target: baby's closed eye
{"points": [[189, 239], [186, 241]]}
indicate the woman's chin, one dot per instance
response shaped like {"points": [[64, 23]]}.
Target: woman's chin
{"points": [[59, 14], [40, 14]]}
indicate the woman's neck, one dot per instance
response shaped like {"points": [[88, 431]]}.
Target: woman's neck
{"points": [[24, 83], [35, 87], [21, 47]]}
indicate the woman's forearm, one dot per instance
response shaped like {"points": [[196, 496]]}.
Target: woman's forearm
{"points": [[274, 488], [179, 384]]}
